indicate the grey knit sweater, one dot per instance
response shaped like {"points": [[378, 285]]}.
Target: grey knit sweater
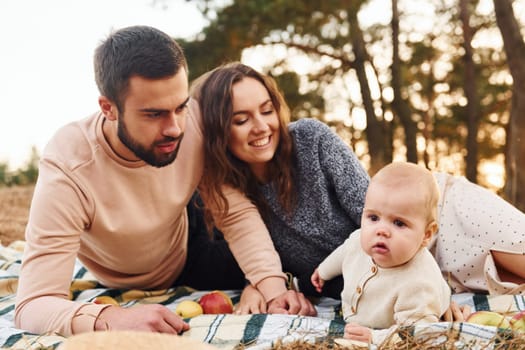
{"points": [[331, 186]]}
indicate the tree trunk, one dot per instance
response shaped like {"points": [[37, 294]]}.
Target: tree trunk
{"points": [[374, 129], [515, 51], [399, 104], [472, 110]]}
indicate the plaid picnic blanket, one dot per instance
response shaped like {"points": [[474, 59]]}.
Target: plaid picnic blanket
{"points": [[229, 331]]}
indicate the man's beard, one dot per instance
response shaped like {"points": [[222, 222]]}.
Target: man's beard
{"points": [[148, 154]]}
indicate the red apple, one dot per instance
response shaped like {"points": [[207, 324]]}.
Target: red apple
{"points": [[216, 302], [517, 322]]}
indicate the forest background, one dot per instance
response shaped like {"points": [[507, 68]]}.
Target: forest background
{"points": [[437, 82]]}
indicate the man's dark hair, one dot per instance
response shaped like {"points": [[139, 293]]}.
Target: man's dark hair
{"points": [[135, 51]]}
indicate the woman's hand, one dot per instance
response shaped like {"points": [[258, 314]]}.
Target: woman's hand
{"points": [[252, 302], [456, 313], [291, 303]]}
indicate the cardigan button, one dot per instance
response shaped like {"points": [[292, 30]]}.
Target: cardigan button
{"points": [[358, 290], [374, 269], [353, 309]]}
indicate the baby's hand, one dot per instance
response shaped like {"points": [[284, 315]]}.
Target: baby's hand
{"points": [[356, 332], [317, 281]]}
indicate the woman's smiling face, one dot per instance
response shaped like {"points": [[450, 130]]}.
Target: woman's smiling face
{"points": [[254, 133]]}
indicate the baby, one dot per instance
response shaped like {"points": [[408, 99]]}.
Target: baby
{"points": [[390, 277]]}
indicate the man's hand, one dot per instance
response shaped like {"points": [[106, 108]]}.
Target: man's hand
{"points": [[291, 302], [252, 302], [149, 318]]}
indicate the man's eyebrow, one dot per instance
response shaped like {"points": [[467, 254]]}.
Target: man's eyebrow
{"points": [[156, 110], [151, 110], [184, 103]]}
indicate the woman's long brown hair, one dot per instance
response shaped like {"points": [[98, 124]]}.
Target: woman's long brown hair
{"points": [[213, 90]]}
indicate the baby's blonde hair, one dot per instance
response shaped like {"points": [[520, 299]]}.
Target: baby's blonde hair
{"points": [[402, 174]]}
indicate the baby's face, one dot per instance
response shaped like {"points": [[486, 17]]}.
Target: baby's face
{"points": [[393, 224]]}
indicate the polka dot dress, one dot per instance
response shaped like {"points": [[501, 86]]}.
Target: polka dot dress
{"points": [[472, 222]]}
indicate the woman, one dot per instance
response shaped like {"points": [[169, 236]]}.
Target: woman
{"points": [[310, 187], [307, 183], [480, 245]]}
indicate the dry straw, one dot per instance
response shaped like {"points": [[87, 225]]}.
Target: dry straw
{"points": [[445, 340]]}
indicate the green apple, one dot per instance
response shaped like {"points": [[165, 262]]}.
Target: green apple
{"points": [[216, 302], [517, 322], [188, 309], [488, 318]]}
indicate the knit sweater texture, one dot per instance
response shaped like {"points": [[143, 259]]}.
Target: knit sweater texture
{"points": [[331, 186], [383, 298]]}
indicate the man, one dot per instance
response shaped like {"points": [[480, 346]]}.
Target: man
{"points": [[113, 190]]}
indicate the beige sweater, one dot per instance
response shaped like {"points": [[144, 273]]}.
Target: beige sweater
{"points": [[380, 298], [127, 223]]}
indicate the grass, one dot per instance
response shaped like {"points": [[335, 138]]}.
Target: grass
{"points": [[14, 211]]}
